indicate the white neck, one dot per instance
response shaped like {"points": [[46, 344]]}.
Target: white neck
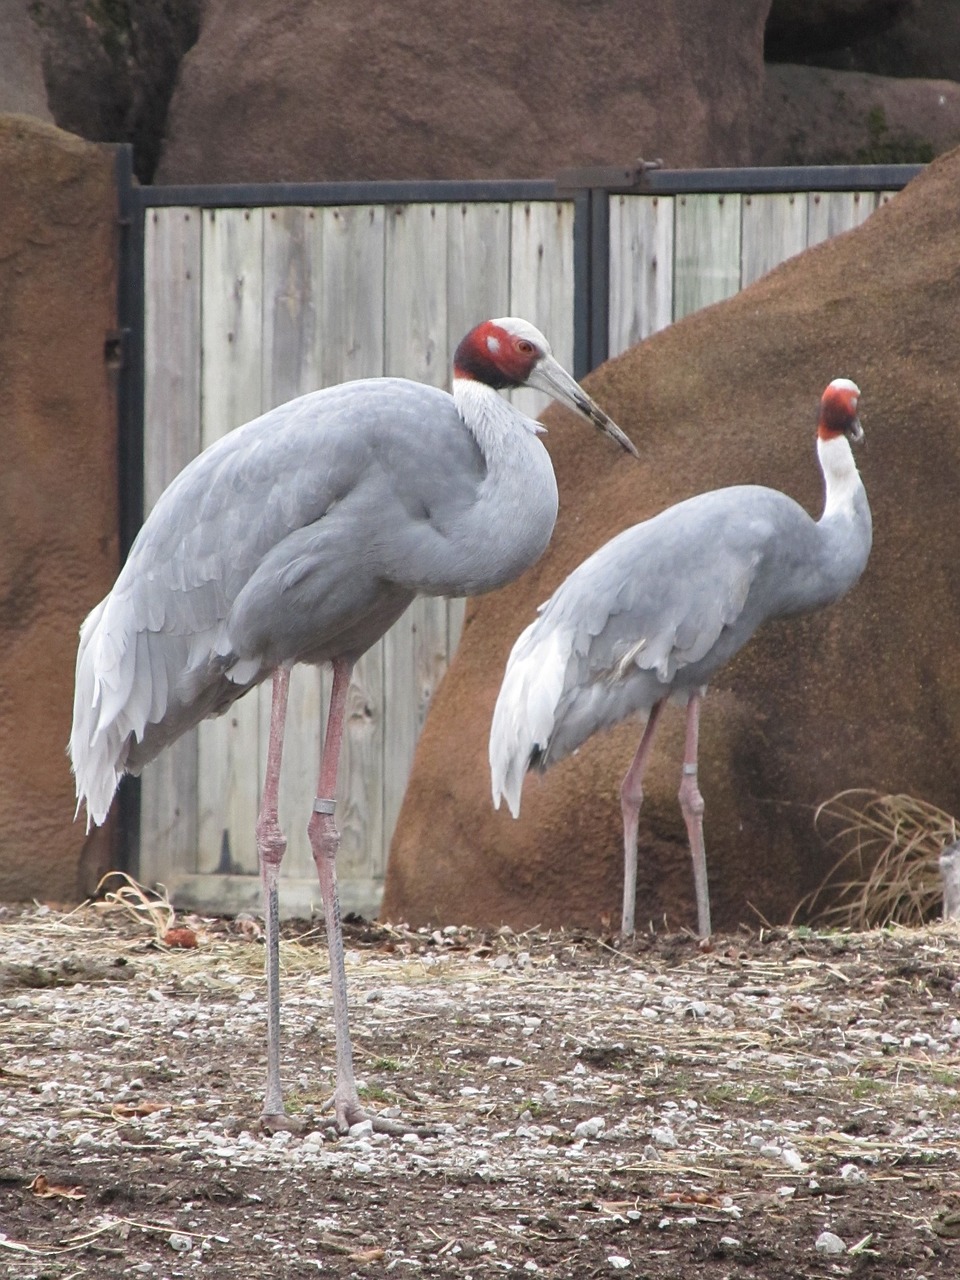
{"points": [[840, 475], [491, 418]]}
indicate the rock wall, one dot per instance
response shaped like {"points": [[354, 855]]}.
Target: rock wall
{"points": [[866, 693], [58, 485], [281, 91]]}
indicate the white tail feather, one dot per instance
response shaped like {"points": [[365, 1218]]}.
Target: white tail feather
{"points": [[525, 714]]}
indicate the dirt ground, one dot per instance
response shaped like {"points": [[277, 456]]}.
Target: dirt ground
{"points": [[655, 1110]]}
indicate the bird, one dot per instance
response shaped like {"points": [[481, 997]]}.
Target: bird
{"points": [[660, 608], [301, 537]]}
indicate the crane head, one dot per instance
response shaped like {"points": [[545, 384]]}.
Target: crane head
{"points": [[839, 408], [511, 352]]}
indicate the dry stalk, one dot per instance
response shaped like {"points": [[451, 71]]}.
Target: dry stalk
{"points": [[888, 871], [142, 905]]}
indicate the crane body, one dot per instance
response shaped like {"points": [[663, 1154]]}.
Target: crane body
{"points": [[656, 611], [301, 537]]}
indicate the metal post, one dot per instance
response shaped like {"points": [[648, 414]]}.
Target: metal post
{"points": [[129, 431]]}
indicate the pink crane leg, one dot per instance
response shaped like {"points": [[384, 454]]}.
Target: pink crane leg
{"points": [[325, 841], [631, 798], [691, 803], [271, 846]]}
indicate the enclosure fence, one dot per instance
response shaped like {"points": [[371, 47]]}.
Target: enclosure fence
{"points": [[235, 299]]}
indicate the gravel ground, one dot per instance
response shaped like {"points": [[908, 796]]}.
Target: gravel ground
{"points": [[783, 1105]]}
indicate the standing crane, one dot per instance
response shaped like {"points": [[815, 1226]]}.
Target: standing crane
{"points": [[660, 608], [301, 537]]}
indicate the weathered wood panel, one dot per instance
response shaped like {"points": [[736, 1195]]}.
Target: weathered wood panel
{"points": [[830, 213], [171, 437], [641, 268], [417, 345], [232, 393], [773, 228], [706, 251], [292, 289], [478, 288], [541, 282], [354, 302]]}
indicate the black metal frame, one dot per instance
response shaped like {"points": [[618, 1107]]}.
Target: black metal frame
{"points": [[589, 189]]}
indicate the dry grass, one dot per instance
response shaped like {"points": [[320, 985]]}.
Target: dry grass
{"points": [[888, 868]]}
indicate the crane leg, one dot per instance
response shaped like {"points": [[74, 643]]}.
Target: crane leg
{"points": [[271, 846], [631, 798], [325, 841], [691, 803]]}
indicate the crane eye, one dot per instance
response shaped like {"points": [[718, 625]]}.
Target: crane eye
{"points": [[525, 348]]}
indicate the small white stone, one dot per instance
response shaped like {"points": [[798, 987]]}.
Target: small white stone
{"points": [[829, 1243], [590, 1128], [792, 1159], [663, 1136], [618, 1262], [731, 1242], [360, 1129], [852, 1173], [180, 1242]]}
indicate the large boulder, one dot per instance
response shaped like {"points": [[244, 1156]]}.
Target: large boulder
{"points": [[58, 484], [21, 75], [865, 693], [812, 115], [281, 91]]}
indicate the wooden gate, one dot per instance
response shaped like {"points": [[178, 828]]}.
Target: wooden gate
{"points": [[248, 302]]}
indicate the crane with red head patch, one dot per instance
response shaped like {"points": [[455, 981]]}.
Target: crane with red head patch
{"points": [[301, 537], [660, 608]]}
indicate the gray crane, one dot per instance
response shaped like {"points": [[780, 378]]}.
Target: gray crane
{"points": [[660, 608], [301, 537]]}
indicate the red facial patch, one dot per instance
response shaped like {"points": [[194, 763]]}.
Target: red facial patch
{"points": [[838, 411], [491, 355]]}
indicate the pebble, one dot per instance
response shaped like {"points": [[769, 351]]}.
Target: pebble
{"points": [[663, 1136], [360, 1129], [618, 1262], [829, 1243], [180, 1242], [852, 1173], [591, 1128], [792, 1159]]}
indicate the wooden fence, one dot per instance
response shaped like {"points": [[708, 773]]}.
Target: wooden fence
{"points": [[245, 308]]}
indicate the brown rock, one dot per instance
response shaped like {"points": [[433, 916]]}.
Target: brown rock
{"points": [[21, 78], [299, 91], [817, 116], [58, 487], [865, 693]]}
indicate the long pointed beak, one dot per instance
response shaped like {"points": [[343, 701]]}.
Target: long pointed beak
{"points": [[551, 377]]}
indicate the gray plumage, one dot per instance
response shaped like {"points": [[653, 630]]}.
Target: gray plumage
{"points": [[661, 607], [302, 536]]}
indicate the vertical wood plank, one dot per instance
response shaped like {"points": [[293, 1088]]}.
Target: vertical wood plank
{"points": [[417, 346], [541, 281], [774, 228], [352, 346], [171, 437], [706, 251], [292, 287], [641, 268], [478, 288], [228, 747], [830, 213], [478, 267]]}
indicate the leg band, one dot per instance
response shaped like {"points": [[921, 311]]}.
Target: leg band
{"points": [[324, 806]]}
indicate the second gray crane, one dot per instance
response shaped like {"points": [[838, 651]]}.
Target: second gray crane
{"points": [[660, 608]]}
